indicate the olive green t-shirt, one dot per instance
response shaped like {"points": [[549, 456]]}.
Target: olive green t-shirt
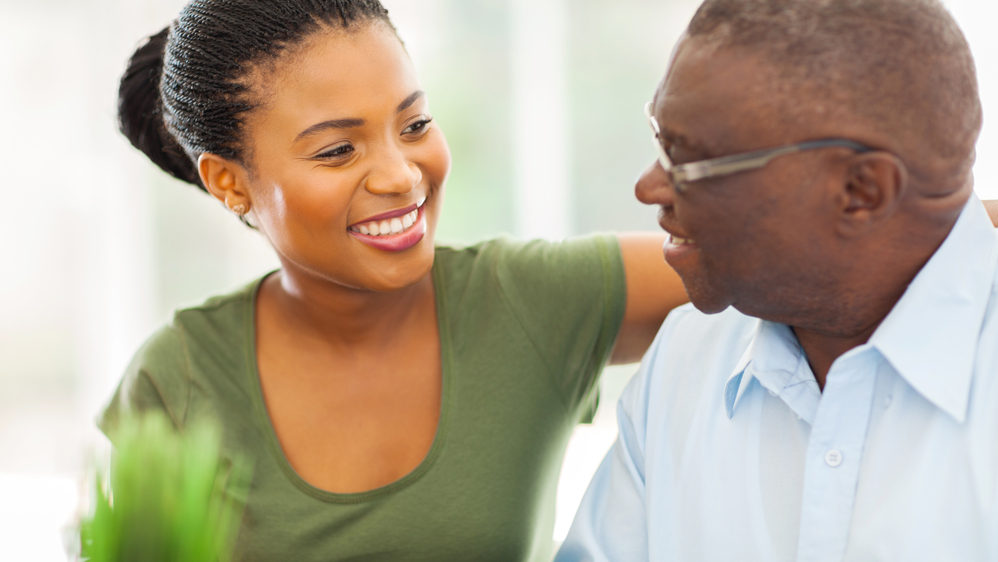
{"points": [[525, 327]]}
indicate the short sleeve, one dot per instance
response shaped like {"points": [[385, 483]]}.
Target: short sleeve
{"points": [[569, 298], [156, 379]]}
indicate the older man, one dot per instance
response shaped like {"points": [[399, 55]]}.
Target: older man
{"points": [[815, 176]]}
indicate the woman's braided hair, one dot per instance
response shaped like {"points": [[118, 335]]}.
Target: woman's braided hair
{"points": [[185, 89]]}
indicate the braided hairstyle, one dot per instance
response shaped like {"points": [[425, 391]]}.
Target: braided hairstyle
{"points": [[186, 89]]}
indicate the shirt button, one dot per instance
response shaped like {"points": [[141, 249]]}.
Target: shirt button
{"points": [[833, 458]]}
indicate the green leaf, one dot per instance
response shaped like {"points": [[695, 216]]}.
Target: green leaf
{"points": [[168, 496]]}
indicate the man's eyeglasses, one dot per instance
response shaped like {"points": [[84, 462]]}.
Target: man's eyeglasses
{"points": [[682, 174]]}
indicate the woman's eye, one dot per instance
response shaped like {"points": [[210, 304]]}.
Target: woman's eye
{"points": [[339, 151], [418, 127]]}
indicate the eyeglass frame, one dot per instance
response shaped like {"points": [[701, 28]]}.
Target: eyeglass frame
{"points": [[682, 174]]}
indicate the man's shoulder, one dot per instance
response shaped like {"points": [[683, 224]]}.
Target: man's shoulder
{"points": [[688, 328], [696, 348]]}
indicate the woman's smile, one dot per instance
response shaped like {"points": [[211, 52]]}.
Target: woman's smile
{"points": [[392, 231]]}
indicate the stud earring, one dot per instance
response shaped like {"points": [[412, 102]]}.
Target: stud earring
{"points": [[240, 209]]}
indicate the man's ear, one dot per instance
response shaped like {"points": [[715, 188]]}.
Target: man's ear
{"points": [[872, 189], [225, 181]]}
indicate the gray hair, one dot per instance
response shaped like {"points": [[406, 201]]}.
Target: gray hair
{"points": [[903, 67]]}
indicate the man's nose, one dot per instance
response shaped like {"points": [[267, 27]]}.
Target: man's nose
{"points": [[654, 187], [392, 173]]}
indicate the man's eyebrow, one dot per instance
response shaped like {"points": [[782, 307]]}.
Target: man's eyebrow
{"points": [[411, 99], [331, 124], [686, 142]]}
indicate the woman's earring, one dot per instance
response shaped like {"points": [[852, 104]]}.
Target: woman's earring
{"points": [[240, 209]]}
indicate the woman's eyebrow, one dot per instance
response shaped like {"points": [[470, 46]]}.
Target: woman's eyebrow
{"points": [[350, 122], [330, 124], [411, 99]]}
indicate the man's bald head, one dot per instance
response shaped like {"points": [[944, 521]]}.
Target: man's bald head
{"points": [[901, 69]]}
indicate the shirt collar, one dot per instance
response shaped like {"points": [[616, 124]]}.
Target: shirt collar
{"points": [[773, 356], [931, 335]]}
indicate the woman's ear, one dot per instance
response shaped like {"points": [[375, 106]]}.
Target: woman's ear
{"points": [[871, 191], [225, 180]]}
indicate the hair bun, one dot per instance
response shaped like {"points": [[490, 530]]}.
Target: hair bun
{"points": [[140, 117]]}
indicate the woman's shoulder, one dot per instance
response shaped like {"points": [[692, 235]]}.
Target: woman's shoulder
{"points": [[532, 276], [201, 347], [507, 250], [232, 308], [215, 326]]}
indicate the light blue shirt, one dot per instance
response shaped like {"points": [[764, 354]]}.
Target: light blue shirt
{"points": [[728, 451]]}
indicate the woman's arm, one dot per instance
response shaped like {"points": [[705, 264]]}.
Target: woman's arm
{"points": [[992, 207], [653, 289]]}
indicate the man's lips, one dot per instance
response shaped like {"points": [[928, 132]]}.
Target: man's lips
{"points": [[676, 236]]}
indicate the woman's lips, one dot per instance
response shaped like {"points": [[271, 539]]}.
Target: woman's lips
{"points": [[373, 225], [388, 224], [393, 231]]}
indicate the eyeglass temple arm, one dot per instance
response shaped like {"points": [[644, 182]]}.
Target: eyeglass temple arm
{"points": [[725, 165]]}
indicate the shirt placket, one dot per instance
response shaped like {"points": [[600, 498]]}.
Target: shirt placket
{"points": [[834, 456]]}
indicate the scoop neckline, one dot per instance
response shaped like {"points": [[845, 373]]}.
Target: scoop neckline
{"points": [[262, 415]]}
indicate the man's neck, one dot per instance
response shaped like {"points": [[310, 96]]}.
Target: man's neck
{"points": [[822, 350], [874, 286], [852, 319]]}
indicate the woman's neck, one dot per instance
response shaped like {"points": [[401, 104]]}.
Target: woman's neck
{"points": [[343, 315]]}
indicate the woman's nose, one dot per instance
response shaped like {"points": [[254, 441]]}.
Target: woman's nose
{"points": [[393, 173]]}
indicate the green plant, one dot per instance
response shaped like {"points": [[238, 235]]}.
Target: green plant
{"points": [[169, 496]]}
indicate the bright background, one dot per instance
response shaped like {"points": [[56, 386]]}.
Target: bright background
{"points": [[541, 102]]}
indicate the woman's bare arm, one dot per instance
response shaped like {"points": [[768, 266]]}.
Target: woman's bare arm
{"points": [[653, 289], [992, 207]]}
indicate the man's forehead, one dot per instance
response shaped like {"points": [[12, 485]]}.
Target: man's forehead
{"points": [[701, 75], [734, 95]]}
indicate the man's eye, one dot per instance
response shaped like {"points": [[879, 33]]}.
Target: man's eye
{"points": [[672, 151], [678, 155]]}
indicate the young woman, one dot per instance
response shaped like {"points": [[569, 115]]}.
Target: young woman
{"points": [[398, 401]]}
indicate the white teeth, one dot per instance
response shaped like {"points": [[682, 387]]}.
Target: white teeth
{"points": [[388, 226], [676, 240]]}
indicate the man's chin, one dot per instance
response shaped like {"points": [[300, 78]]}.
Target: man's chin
{"points": [[710, 308], [706, 302]]}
